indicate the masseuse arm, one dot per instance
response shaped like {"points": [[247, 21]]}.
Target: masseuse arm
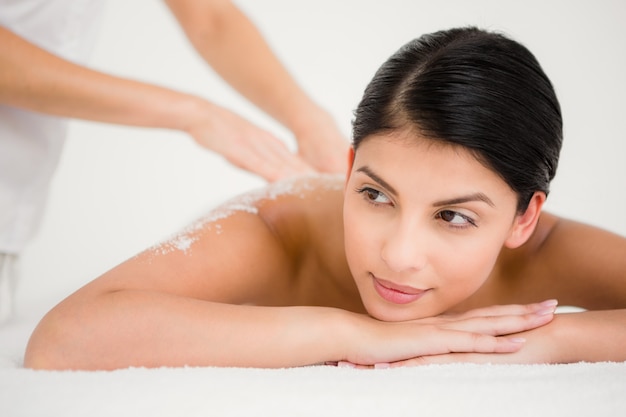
{"points": [[232, 45], [227, 293], [33, 79]]}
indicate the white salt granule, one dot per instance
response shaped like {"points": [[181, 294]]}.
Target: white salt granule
{"points": [[247, 203], [182, 243]]}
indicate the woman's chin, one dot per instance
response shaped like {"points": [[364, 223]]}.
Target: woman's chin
{"points": [[392, 313]]}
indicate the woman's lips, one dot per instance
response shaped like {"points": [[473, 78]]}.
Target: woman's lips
{"points": [[397, 294]]}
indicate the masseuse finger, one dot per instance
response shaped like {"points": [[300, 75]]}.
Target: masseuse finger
{"points": [[269, 158]]}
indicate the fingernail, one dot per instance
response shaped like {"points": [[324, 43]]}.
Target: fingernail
{"points": [[344, 364], [517, 340], [381, 366], [549, 303], [545, 311]]}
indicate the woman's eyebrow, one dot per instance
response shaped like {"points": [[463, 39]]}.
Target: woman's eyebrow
{"points": [[449, 202], [367, 171], [464, 199]]}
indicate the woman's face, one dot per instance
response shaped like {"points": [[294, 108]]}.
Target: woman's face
{"points": [[424, 224]]}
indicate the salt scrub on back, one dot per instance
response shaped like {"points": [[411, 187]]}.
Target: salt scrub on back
{"points": [[248, 203]]}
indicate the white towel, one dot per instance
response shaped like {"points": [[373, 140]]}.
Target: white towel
{"points": [[581, 389]]}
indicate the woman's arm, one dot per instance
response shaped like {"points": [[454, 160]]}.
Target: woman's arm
{"points": [[590, 336], [139, 328], [36, 80]]}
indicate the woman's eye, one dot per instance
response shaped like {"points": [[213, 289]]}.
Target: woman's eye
{"points": [[455, 219], [374, 196]]}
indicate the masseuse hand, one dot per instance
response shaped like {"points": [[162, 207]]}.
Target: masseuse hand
{"points": [[479, 331], [322, 145], [244, 144]]}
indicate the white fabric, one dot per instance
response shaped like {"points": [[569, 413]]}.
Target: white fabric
{"points": [[31, 143], [580, 389]]}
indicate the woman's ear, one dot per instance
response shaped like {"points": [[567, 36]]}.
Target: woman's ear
{"points": [[525, 223]]}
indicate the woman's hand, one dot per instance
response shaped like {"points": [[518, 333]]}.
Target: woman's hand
{"points": [[573, 337], [480, 331]]}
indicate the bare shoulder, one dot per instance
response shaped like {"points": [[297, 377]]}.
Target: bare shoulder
{"points": [[580, 264], [253, 249], [303, 207], [307, 221]]}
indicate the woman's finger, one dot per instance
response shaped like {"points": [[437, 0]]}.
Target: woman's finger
{"points": [[506, 310], [502, 325]]}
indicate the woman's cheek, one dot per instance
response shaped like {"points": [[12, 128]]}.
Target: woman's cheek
{"points": [[470, 269], [362, 230]]}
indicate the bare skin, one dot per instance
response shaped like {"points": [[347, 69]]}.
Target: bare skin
{"points": [[265, 282]]}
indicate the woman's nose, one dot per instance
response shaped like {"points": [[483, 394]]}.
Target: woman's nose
{"points": [[405, 249]]}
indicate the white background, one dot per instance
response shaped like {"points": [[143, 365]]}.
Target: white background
{"points": [[119, 190]]}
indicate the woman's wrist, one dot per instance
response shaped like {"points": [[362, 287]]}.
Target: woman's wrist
{"points": [[348, 330], [312, 335]]}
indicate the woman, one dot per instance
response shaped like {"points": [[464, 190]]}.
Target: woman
{"points": [[434, 249]]}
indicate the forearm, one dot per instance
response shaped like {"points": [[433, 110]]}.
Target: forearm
{"points": [[138, 328], [117, 329], [33, 79], [233, 46], [591, 336]]}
